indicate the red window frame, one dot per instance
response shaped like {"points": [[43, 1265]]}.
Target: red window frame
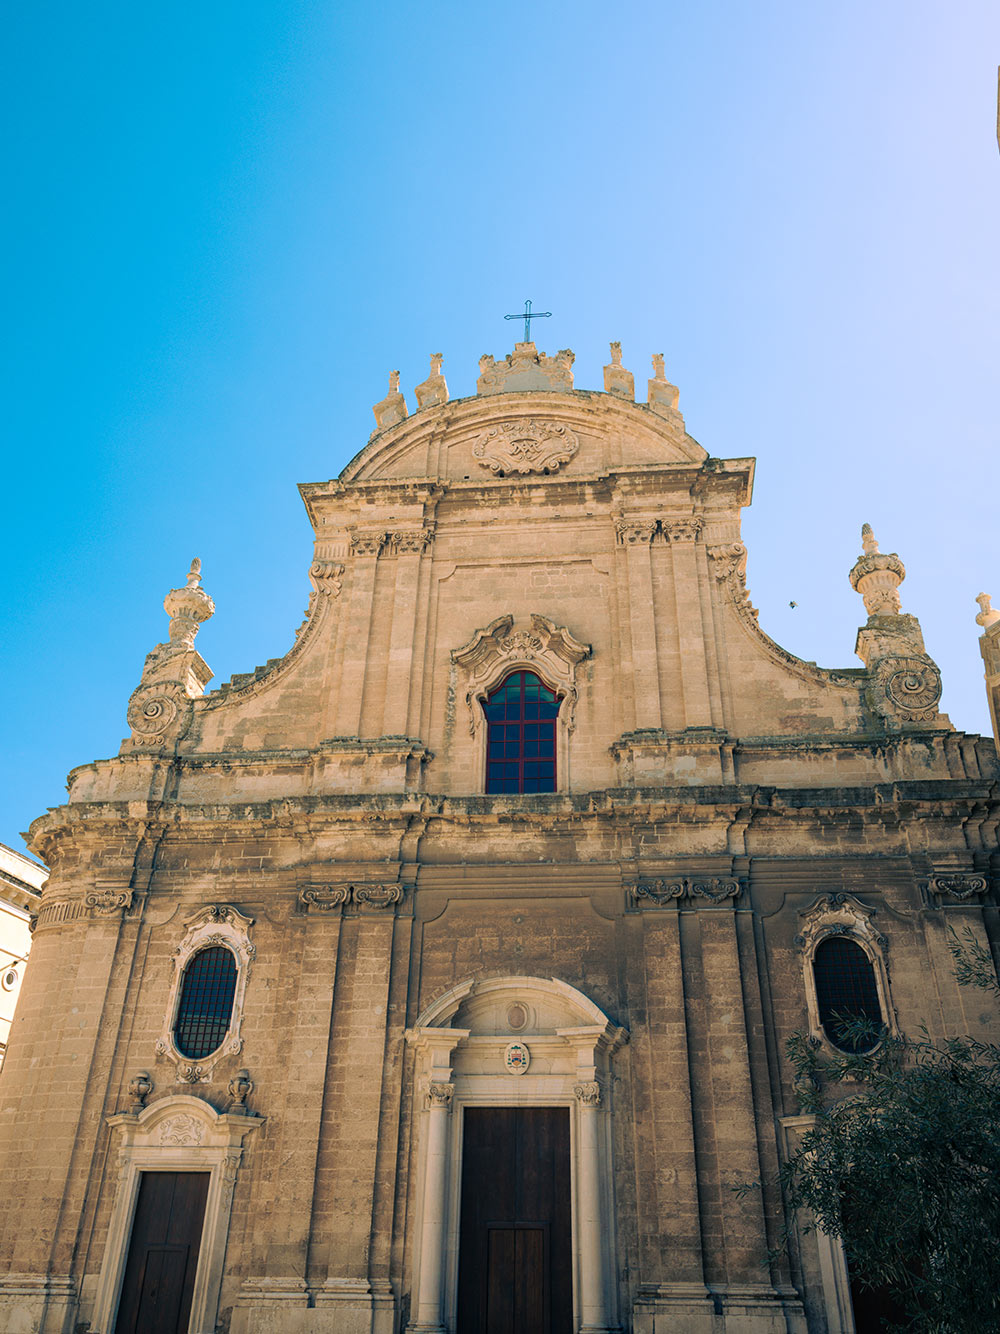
{"points": [[521, 715]]}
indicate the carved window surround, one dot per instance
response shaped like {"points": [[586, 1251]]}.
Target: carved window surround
{"points": [[216, 924], [175, 1134], [843, 915], [503, 647]]}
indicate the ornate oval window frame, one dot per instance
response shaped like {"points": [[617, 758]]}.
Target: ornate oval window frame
{"points": [[215, 924], [844, 915], [505, 646]]}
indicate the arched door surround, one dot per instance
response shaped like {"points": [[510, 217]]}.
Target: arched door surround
{"points": [[522, 1042]]}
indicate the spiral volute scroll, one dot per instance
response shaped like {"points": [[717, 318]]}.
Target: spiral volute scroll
{"points": [[906, 688], [157, 713]]}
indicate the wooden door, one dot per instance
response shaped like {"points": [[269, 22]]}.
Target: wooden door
{"points": [[163, 1254], [515, 1246]]}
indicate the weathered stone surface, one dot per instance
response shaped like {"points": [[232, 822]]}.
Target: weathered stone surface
{"points": [[659, 905]]}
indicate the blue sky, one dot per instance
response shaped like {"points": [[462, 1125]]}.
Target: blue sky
{"points": [[227, 223]]}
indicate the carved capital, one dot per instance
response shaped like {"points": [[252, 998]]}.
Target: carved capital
{"points": [[410, 541], [957, 885], [366, 543], [635, 532], [682, 530], [324, 897], [107, 902], [377, 896], [588, 1094], [440, 1095], [663, 890]]}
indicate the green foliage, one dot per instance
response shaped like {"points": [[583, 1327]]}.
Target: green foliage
{"points": [[907, 1170]]}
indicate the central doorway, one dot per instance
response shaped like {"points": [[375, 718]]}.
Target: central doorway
{"points": [[515, 1243]]}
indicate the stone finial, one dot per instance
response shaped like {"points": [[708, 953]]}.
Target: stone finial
{"points": [[662, 396], [433, 390], [617, 380], [526, 368], [877, 577], [140, 1086], [240, 1088], [187, 608], [987, 614], [390, 410]]}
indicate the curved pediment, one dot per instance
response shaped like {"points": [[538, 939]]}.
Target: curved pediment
{"points": [[529, 434]]}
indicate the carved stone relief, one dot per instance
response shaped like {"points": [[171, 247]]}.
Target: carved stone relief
{"points": [[327, 898], [525, 447]]}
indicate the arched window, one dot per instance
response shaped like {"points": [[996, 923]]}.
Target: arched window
{"points": [[521, 740], [205, 1006], [846, 989]]}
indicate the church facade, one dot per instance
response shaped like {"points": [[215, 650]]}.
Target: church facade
{"points": [[435, 977]]}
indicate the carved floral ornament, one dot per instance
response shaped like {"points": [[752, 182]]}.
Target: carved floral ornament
{"points": [[504, 646], [525, 447], [215, 924]]}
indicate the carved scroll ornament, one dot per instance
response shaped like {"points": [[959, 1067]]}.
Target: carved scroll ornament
{"points": [[525, 447]]}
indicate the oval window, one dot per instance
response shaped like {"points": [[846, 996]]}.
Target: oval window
{"points": [[846, 991], [206, 1002]]}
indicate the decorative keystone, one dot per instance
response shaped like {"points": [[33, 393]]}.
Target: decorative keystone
{"points": [[877, 577]]}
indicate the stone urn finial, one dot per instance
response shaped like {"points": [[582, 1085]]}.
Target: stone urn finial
{"points": [[877, 576], [187, 608], [140, 1086], [240, 1088]]}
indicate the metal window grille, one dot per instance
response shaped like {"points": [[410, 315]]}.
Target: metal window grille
{"points": [[521, 735], [846, 990], [206, 1004]]}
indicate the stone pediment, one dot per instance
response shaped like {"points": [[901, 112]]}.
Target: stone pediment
{"points": [[497, 436]]}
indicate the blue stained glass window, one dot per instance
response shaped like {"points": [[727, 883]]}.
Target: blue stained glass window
{"points": [[206, 1003]]}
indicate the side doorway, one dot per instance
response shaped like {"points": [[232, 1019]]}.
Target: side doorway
{"points": [[515, 1235], [158, 1285]]}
